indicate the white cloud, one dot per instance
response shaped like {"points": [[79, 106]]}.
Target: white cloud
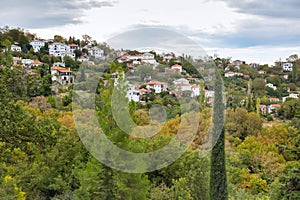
{"points": [[46, 14], [232, 25]]}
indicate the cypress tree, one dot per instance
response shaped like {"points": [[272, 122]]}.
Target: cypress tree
{"points": [[218, 180]]}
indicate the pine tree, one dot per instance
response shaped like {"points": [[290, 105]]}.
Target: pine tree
{"points": [[218, 180]]}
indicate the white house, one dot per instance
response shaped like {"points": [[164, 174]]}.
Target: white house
{"points": [[157, 86], [60, 50], [73, 47], [134, 57], [270, 85], [37, 45], [168, 57], [293, 96], [17, 60], [232, 74], [195, 90], [150, 61], [183, 87], [27, 61], [177, 67], [57, 49], [96, 52], [287, 67], [15, 48], [132, 93], [181, 80], [209, 93], [269, 109], [60, 64], [148, 56], [61, 75], [262, 72], [36, 63]]}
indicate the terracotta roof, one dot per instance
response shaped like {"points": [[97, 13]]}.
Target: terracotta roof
{"points": [[182, 84], [64, 70], [144, 90], [275, 105], [195, 86], [176, 65], [156, 83], [73, 45], [273, 99], [37, 63], [60, 69]]}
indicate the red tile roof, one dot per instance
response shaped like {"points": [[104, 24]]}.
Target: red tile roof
{"points": [[73, 45], [182, 84], [144, 90], [156, 83], [195, 86], [60, 69], [37, 63]]}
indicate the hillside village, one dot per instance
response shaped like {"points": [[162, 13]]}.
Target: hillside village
{"points": [[272, 85]]}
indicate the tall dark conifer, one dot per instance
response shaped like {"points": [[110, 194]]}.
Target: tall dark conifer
{"points": [[218, 180]]}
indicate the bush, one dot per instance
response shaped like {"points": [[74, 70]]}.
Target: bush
{"points": [[270, 118]]}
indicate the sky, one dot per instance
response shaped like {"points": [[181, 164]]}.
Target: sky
{"points": [[251, 30]]}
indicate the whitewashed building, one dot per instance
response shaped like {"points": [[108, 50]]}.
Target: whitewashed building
{"points": [[61, 75], [37, 45], [195, 90], [209, 93], [60, 50], [27, 61], [96, 52], [73, 47], [150, 61], [181, 80], [157, 86], [270, 85], [183, 87], [292, 96], [177, 67], [15, 48], [287, 67], [232, 74], [133, 94], [148, 56]]}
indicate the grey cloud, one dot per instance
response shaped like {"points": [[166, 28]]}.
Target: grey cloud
{"points": [[43, 14], [262, 33], [248, 33], [275, 8]]}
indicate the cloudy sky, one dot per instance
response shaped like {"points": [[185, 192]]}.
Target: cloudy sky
{"points": [[251, 30]]}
